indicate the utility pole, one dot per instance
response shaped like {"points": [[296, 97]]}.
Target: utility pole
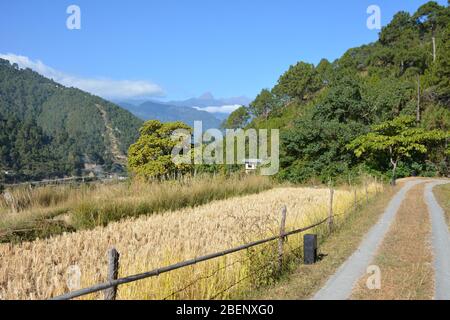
{"points": [[418, 100], [434, 48]]}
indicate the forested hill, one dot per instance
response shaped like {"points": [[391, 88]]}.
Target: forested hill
{"points": [[321, 108], [48, 130]]}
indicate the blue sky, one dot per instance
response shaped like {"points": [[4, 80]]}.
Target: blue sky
{"points": [[181, 49]]}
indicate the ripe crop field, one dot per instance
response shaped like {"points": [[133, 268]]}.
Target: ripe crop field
{"points": [[45, 211], [40, 269]]}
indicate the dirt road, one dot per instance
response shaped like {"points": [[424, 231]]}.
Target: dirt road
{"points": [[342, 283]]}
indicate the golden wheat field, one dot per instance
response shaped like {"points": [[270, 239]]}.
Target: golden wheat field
{"points": [[43, 268]]}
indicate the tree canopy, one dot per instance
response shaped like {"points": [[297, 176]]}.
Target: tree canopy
{"points": [[237, 119], [151, 156], [399, 138]]}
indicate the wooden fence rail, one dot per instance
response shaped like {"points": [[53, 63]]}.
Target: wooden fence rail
{"points": [[53, 181]]}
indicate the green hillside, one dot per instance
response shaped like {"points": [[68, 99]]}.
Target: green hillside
{"points": [[321, 109], [48, 130]]}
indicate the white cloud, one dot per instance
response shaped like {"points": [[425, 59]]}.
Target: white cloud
{"points": [[220, 109], [107, 88]]}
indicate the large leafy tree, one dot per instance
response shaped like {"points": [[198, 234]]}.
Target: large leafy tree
{"points": [[151, 156], [440, 73], [399, 139], [431, 18], [315, 149], [298, 82], [264, 104], [400, 24], [344, 103], [238, 119]]}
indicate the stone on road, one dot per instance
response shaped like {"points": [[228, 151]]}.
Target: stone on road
{"points": [[340, 285], [441, 243]]}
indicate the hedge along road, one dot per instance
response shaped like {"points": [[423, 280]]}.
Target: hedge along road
{"points": [[441, 243], [340, 285]]}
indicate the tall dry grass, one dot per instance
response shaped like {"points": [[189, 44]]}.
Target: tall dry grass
{"points": [[88, 206], [140, 198], [40, 269], [24, 197]]}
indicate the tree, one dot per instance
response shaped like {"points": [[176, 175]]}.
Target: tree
{"points": [[429, 17], [299, 81], [325, 71], [344, 102], [263, 104], [315, 149], [238, 119], [399, 138], [441, 71], [151, 156], [396, 28]]}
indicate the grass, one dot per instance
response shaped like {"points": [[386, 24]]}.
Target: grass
{"points": [[49, 211], [334, 249], [39, 269], [442, 194], [405, 256], [148, 198]]}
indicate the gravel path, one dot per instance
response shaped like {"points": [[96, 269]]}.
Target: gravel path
{"points": [[441, 243], [340, 285]]}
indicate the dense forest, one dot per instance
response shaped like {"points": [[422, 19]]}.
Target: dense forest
{"points": [[47, 130], [321, 109]]}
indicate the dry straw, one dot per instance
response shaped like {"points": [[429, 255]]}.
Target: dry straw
{"points": [[38, 270]]}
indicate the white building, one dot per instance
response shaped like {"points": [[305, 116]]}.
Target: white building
{"points": [[252, 165]]}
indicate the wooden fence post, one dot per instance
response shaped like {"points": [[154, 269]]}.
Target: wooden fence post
{"points": [[367, 192], [330, 214], [376, 185], [356, 198], [282, 238], [113, 273]]}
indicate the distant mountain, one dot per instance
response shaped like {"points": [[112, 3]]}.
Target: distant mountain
{"points": [[152, 110], [48, 130], [208, 100]]}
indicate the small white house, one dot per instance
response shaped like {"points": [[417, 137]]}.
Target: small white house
{"points": [[252, 165]]}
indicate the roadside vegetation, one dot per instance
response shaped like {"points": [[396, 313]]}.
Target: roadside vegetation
{"points": [[442, 194]]}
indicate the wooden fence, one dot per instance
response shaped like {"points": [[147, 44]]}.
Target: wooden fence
{"points": [[65, 181], [46, 182], [110, 286]]}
